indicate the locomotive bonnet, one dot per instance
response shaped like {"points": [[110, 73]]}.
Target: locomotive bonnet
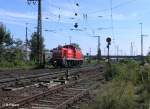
{"points": [[66, 56]]}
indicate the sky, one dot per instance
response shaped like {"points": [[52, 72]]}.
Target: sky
{"points": [[126, 16]]}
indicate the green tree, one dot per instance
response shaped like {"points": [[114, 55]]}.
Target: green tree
{"points": [[33, 46], [13, 54], [5, 36], [11, 51], [5, 41]]}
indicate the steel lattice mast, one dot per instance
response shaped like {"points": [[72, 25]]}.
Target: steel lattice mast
{"points": [[98, 47], [39, 30]]}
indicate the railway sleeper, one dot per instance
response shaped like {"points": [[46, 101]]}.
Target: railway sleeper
{"points": [[69, 94], [62, 81], [66, 91], [45, 101], [54, 98], [62, 96], [67, 104], [39, 106], [75, 107], [51, 101], [47, 80], [75, 89], [80, 86]]}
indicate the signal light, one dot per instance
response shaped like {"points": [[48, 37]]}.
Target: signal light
{"points": [[108, 40], [76, 14], [76, 25], [77, 4]]}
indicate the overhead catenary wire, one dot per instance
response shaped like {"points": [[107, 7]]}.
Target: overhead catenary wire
{"points": [[93, 12], [114, 7], [59, 15], [112, 20], [88, 25], [124, 3], [112, 24], [69, 1]]}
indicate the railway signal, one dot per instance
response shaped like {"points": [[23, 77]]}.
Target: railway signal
{"points": [[108, 40], [39, 30], [77, 4], [76, 14], [76, 25]]}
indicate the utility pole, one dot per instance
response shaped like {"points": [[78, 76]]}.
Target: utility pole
{"points": [[90, 52], [117, 51], [141, 40], [39, 31], [142, 35], [26, 43], [26, 33], [70, 39], [98, 48], [121, 51], [90, 56], [131, 52]]}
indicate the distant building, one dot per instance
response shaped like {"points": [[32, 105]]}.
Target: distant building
{"points": [[26, 51], [48, 54]]}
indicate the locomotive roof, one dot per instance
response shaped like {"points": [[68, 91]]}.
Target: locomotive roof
{"points": [[72, 45]]}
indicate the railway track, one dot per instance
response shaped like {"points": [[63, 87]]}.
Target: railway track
{"points": [[56, 97], [34, 77]]}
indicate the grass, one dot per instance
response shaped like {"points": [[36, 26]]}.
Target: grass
{"points": [[17, 65], [113, 96], [119, 92]]}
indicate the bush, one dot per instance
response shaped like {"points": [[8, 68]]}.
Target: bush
{"points": [[119, 93], [114, 96], [129, 71]]}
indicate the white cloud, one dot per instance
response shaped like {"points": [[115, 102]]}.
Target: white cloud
{"points": [[129, 16], [16, 18], [10, 14]]}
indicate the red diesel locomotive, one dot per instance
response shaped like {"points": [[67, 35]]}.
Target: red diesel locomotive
{"points": [[67, 56]]}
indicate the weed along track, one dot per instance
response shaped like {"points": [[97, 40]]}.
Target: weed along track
{"points": [[60, 96]]}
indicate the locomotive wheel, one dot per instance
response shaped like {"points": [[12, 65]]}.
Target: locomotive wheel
{"points": [[69, 64], [65, 64]]}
